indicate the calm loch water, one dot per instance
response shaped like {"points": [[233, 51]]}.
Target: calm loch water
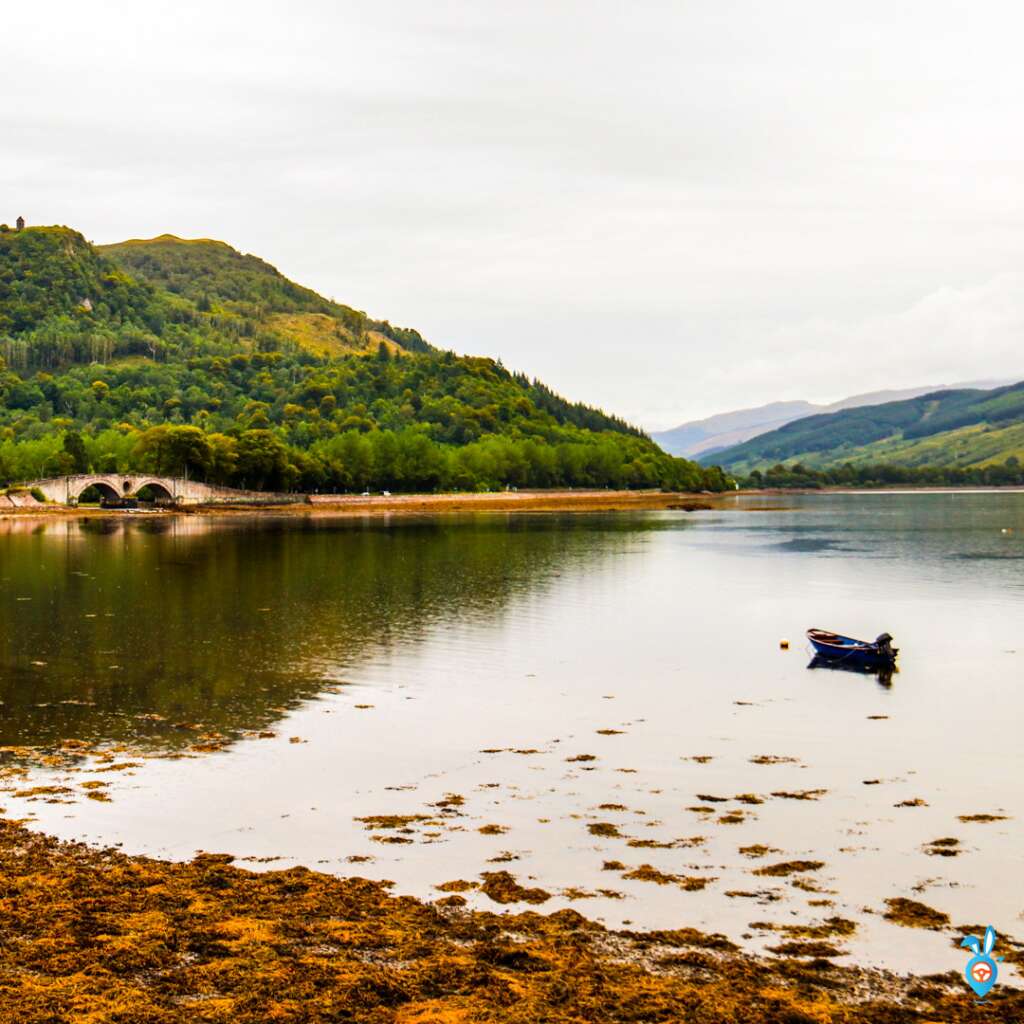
{"points": [[593, 692]]}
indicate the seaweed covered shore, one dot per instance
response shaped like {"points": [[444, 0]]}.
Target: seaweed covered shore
{"points": [[95, 935]]}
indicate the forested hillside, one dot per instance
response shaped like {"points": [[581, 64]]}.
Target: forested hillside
{"points": [[177, 356], [958, 429]]}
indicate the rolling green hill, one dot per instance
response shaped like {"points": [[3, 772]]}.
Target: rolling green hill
{"points": [[223, 281], [171, 356], [962, 429]]}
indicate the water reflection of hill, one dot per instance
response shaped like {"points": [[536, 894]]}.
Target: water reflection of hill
{"points": [[119, 629]]}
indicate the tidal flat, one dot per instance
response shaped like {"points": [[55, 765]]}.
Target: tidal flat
{"points": [[94, 934], [584, 723]]}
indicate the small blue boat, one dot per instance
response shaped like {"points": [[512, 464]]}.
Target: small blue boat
{"points": [[838, 648]]}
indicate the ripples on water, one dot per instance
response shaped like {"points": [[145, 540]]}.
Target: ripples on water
{"points": [[394, 652]]}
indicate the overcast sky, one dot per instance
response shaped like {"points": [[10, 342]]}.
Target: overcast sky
{"points": [[666, 209]]}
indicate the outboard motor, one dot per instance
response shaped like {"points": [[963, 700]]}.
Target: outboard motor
{"points": [[885, 647]]}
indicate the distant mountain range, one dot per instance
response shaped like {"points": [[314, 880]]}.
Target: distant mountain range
{"points": [[703, 438], [964, 428]]}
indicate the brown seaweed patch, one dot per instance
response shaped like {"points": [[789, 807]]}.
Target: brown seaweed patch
{"points": [[455, 900], [806, 885], [709, 799], [757, 850], [967, 818], [748, 798], [800, 794], [912, 914], [604, 828], [492, 830], [1012, 951], [915, 802], [502, 887], [387, 821], [613, 865], [671, 844], [789, 867], [609, 732], [96, 935], [832, 927], [699, 758], [677, 937], [612, 807], [450, 801], [817, 949], [582, 757], [946, 847], [761, 895], [732, 818], [773, 759], [37, 791], [649, 873], [574, 893], [457, 885]]}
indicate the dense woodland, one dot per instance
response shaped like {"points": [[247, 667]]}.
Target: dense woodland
{"points": [[797, 476], [188, 357]]}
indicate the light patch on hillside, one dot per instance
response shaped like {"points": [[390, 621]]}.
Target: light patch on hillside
{"points": [[323, 335]]}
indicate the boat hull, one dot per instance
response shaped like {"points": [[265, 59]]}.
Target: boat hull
{"points": [[845, 649], [853, 656]]}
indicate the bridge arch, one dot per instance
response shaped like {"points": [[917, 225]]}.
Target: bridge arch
{"points": [[158, 488], [105, 485]]}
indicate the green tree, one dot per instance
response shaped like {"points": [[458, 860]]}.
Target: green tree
{"points": [[262, 461], [174, 451], [74, 447]]}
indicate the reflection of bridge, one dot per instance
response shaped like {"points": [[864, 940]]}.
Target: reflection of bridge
{"points": [[68, 489]]}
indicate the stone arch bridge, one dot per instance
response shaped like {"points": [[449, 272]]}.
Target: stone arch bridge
{"points": [[66, 490]]}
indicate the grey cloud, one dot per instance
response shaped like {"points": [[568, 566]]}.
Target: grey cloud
{"points": [[664, 208]]}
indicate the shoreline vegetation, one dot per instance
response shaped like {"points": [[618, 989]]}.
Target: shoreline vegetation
{"points": [[425, 504], [550, 501], [555, 501], [94, 934], [881, 476]]}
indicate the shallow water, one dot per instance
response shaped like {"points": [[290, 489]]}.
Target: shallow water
{"points": [[385, 656]]}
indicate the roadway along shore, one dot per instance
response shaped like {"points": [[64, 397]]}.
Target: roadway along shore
{"points": [[426, 504]]}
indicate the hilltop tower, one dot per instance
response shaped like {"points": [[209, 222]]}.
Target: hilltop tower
{"points": [[20, 223]]}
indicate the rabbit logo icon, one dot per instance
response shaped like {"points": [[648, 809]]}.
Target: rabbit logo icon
{"points": [[981, 970]]}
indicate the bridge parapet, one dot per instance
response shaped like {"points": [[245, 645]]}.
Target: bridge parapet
{"points": [[66, 490]]}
